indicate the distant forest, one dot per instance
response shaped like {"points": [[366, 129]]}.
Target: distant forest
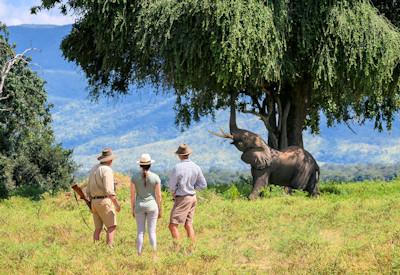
{"points": [[329, 173], [359, 172]]}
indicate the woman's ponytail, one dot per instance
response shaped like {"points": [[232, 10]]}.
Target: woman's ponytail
{"points": [[145, 170]]}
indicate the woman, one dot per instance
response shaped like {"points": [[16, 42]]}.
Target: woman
{"points": [[146, 202]]}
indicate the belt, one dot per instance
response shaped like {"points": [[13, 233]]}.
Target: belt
{"points": [[186, 195], [99, 197]]}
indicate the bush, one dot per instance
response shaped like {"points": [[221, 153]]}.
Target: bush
{"points": [[6, 180], [231, 193]]}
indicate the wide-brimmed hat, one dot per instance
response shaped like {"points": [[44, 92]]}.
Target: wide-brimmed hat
{"points": [[106, 155], [145, 159], [183, 150]]}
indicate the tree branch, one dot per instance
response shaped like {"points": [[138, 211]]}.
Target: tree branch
{"points": [[4, 97], [351, 129], [256, 103], [279, 103], [263, 113], [264, 118], [8, 66]]}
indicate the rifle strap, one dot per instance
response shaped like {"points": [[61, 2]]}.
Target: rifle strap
{"points": [[80, 212]]}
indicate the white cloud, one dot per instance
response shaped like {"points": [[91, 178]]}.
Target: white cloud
{"points": [[16, 13]]}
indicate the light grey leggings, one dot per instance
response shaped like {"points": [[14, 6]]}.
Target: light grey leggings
{"points": [[141, 217]]}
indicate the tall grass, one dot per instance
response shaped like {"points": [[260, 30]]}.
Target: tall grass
{"points": [[350, 228]]}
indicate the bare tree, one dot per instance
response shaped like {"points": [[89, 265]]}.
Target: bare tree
{"points": [[6, 70]]}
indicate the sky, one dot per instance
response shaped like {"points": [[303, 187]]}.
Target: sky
{"points": [[17, 12]]}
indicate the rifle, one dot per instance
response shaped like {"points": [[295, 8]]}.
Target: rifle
{"points": [[81, 195]]}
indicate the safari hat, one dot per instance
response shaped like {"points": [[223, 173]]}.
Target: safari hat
{"points": [[106, 155], [145, 159], [183, 150]]}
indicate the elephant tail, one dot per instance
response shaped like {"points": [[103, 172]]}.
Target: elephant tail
{"points": [[317, 174]]}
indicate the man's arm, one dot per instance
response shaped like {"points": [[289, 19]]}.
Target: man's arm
{"points": [[172, 184], [201, 182], [108, 180]]}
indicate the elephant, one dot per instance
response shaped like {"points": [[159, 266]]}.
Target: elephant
{"points": [[292, 167]]}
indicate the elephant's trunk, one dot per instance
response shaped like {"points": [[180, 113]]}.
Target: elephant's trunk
{"points": [[232, 121]]}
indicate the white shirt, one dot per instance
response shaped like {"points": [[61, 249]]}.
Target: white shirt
{"points": [[186, 178]]}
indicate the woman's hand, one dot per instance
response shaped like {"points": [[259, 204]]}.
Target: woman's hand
{"points": [[158, 198], [133, 198]]}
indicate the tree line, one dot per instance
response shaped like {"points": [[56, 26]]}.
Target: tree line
{"points": [[340, 173], [31, 162]]}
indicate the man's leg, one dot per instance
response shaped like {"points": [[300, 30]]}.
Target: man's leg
{"points": [[190, 232], [174, 231], [96, 234], [174, 221], [175, 235], [98, 224], [110, 234], [108, 216], [189, 224]]}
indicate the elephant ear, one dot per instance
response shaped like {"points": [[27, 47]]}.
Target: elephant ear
{"points": [[257, 158]]}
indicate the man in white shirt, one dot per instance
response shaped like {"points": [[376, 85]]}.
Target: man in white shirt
{"points": [[185, 179]]}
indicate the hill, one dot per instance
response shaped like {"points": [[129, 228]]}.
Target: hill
{"points": [[352, 228], [144, 122]]}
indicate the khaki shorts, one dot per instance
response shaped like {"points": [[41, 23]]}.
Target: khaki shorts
{"points": [[183, 210], [103, 213]]}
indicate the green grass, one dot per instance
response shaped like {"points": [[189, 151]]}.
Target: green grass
{"points": [[351, 228]]}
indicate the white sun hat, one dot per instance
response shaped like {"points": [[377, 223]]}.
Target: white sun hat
{"points": [[145, 159]]}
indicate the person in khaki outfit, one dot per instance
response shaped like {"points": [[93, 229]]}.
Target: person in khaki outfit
{"points": [[101, 192], [185, 179]]}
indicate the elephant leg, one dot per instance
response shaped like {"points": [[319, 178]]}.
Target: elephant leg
{"points": [[312, 186], [260, 179], [288, 190]]}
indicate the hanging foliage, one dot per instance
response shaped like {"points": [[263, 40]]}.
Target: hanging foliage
{"points": [[282, 58]]}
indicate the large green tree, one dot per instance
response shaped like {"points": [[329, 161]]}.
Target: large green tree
{"points": [[285, 61], [30, 159]]}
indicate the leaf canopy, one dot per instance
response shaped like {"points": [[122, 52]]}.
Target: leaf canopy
{"points": [[206, 49]]}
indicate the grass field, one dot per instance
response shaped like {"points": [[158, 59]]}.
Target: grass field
{"points": [[351, 228]]}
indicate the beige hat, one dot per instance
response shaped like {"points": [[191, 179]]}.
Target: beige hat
{"points": [[183, 150], [106, 155], [145, 159]]}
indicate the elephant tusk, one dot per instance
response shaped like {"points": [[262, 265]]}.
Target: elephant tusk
{"points": [[222, 134]]}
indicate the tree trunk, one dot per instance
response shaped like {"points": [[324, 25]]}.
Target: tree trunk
{"points": [[273, 138], [300, 97], [292, 110], [283, 139]]}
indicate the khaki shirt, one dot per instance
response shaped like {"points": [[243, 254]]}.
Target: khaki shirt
{"points": [[101, 181]]}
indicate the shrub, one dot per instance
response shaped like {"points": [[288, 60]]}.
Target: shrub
{"points": [[6, 180]]}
